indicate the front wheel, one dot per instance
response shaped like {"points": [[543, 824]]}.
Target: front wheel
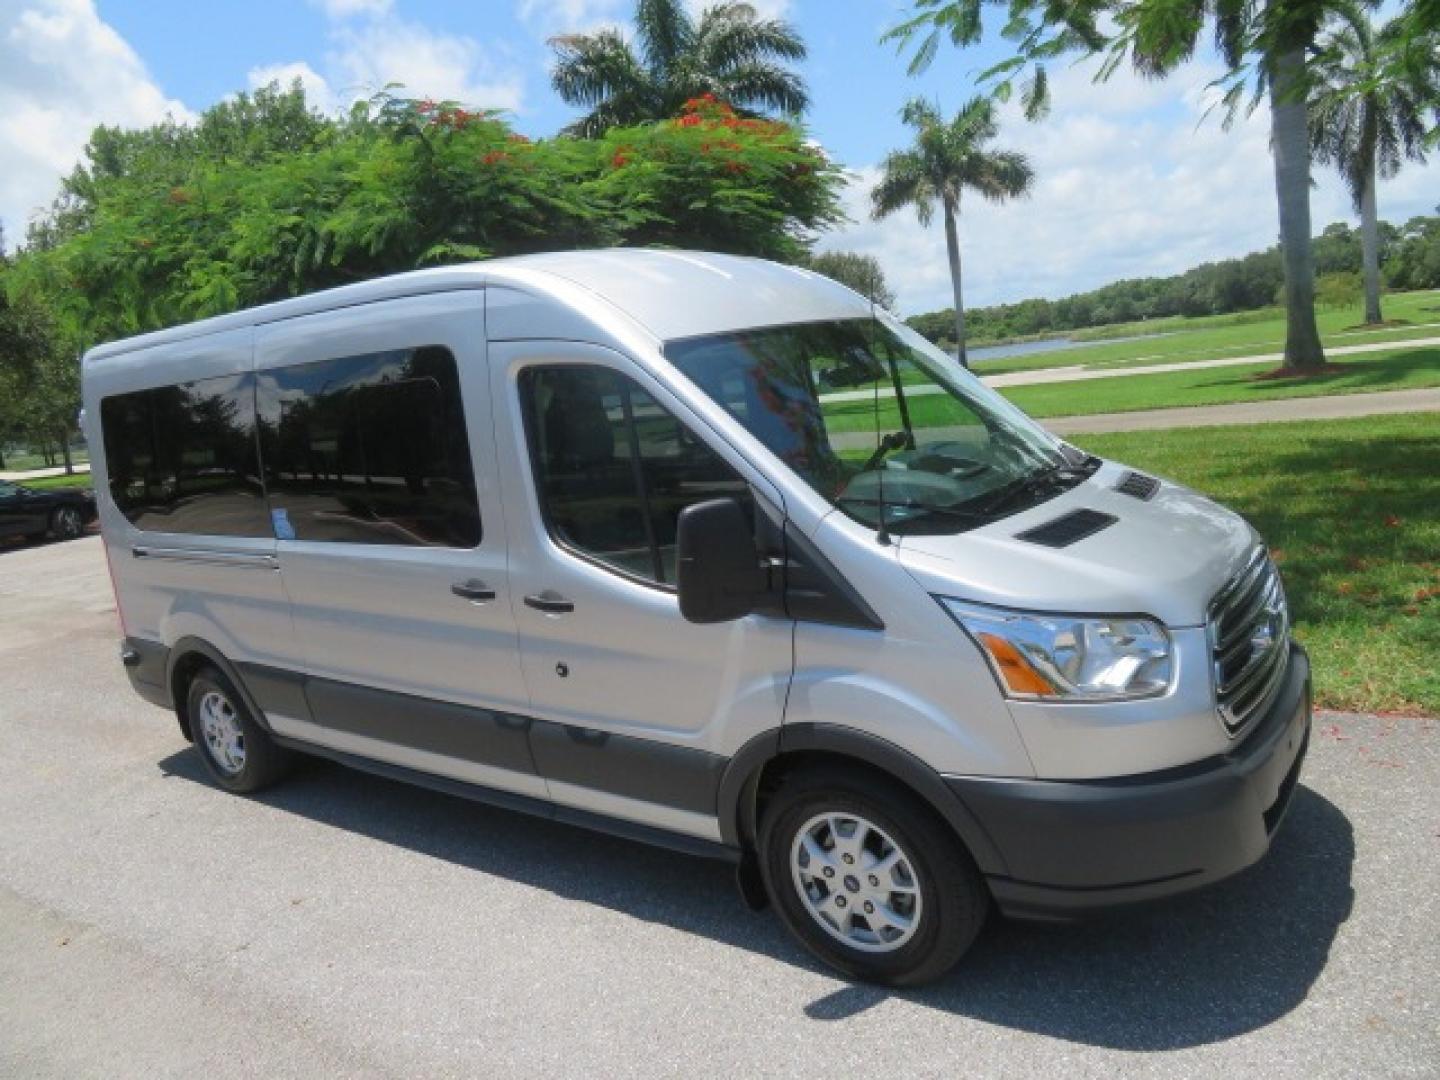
{"points": [[868, 878]]}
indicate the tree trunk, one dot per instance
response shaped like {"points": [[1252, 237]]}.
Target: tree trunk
{"points": [[1290, 146], [952, 248], [1370, 245], [65, 450]]}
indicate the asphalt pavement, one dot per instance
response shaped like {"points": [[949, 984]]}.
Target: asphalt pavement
{"points": [[343, 925]]}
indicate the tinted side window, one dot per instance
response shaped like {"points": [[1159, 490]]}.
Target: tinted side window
{"points": [[614, 469], [182, 459], [370, 449]]}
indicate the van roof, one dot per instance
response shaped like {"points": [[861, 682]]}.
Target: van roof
{"points": [[671, 294]]}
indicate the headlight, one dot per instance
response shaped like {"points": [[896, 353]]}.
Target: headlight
{"points": [[1074, 657]]}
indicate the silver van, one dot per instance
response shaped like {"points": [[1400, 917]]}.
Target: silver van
{"points": [[704, 551]]}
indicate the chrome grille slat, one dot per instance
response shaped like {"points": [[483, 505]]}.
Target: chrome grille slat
{"points": [[1247, 701], [1242, 619], [1249, 631], [1239, 588]]}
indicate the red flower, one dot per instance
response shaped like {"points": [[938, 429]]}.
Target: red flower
{"points": [[494, 157], [621, 159]]}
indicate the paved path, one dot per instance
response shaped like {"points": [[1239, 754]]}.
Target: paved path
{"points": [[344, 925], [1082, 373], [36, 474], [1338, 407]]}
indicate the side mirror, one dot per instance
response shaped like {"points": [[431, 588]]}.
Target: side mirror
{"points": [[719, 573]]}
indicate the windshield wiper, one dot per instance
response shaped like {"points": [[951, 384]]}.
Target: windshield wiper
{"points": [[918, 510], [1040, 480]]}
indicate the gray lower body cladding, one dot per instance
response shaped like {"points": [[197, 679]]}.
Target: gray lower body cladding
{"points": [[1049, 849], [1075, 846]]}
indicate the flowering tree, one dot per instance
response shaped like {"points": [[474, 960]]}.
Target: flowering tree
{"points": [[401, 183]]}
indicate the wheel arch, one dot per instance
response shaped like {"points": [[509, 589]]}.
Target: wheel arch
{"points": [[189, 655], [759, 765]]}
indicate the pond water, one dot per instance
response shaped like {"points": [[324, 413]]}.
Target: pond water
{"points": [[982, 353]]}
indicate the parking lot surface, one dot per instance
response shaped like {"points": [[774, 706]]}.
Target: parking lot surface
{"points": [[344, 925]]}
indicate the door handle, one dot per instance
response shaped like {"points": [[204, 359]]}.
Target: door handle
{"points": [[550, 602], [473, 590]]}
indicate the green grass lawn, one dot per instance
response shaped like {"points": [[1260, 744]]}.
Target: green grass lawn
{"points": [[51, 483], [1351, 509], [1249, 333]]}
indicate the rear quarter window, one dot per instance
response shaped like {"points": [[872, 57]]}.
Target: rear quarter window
{"points": [[183, 459]]}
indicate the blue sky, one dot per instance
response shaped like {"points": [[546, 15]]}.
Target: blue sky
{"points": [[857, 85], [1131, 182]]}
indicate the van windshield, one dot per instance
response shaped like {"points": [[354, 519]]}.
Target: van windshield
{"points": [[881, 423]]}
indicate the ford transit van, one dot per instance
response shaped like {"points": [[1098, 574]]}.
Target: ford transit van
{"points": [[704, 551]]}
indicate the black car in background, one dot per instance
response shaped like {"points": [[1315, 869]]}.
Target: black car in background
{"points": [[36, 514]]}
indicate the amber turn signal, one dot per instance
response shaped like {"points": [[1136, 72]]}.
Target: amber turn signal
{"points": [[1019, 675]]}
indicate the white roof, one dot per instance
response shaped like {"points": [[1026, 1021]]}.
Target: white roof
{"points": [[670, 294]]}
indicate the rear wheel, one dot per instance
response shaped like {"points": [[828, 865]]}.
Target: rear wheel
{"points": [[237, 753], [66, 523], [868, 878]]}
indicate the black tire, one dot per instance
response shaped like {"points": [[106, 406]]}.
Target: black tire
{"points": [[66, 523], [953, 899], [264, 761]]}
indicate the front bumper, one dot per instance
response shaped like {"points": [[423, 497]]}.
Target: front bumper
{"points": [[1077, 845]]}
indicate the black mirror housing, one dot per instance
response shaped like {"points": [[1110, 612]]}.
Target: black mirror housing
{"points": [[718, 564]]}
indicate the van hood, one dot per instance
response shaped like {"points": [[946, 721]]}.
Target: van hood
{"points": [[1164, 556]]}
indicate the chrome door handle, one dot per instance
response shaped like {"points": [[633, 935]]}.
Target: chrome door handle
{"points": [[550, 602], [473, 590]]}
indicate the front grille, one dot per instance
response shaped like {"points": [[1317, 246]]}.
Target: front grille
{"points": [[1249, 626]]}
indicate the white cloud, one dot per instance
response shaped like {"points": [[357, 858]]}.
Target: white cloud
{"points": [[587, 16], [427, 64], [1129, 183], [573, 16], [766, 9], [62, 72], [366, 57], [317, 89], [346, 9]]}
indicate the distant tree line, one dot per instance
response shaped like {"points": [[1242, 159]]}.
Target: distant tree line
{"points": [[1409, 255]]}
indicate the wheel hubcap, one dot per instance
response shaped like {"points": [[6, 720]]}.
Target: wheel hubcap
{"points": [[220, 727], [856, 882], [69, 523]]}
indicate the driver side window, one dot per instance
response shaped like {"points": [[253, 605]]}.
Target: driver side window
{"points": [[613, 469]]}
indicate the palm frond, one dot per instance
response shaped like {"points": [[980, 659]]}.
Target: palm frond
{"points": [[904, 181], [730, 34], [592, 67], [765, 84], [664, 30]]}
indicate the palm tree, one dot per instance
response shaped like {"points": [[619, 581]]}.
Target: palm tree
{"points": [[1264, 45], [1367, 117], [729, 51], [947, 157]]}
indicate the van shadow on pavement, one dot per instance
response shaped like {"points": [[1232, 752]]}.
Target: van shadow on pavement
{"points": [[1193, 970]]}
